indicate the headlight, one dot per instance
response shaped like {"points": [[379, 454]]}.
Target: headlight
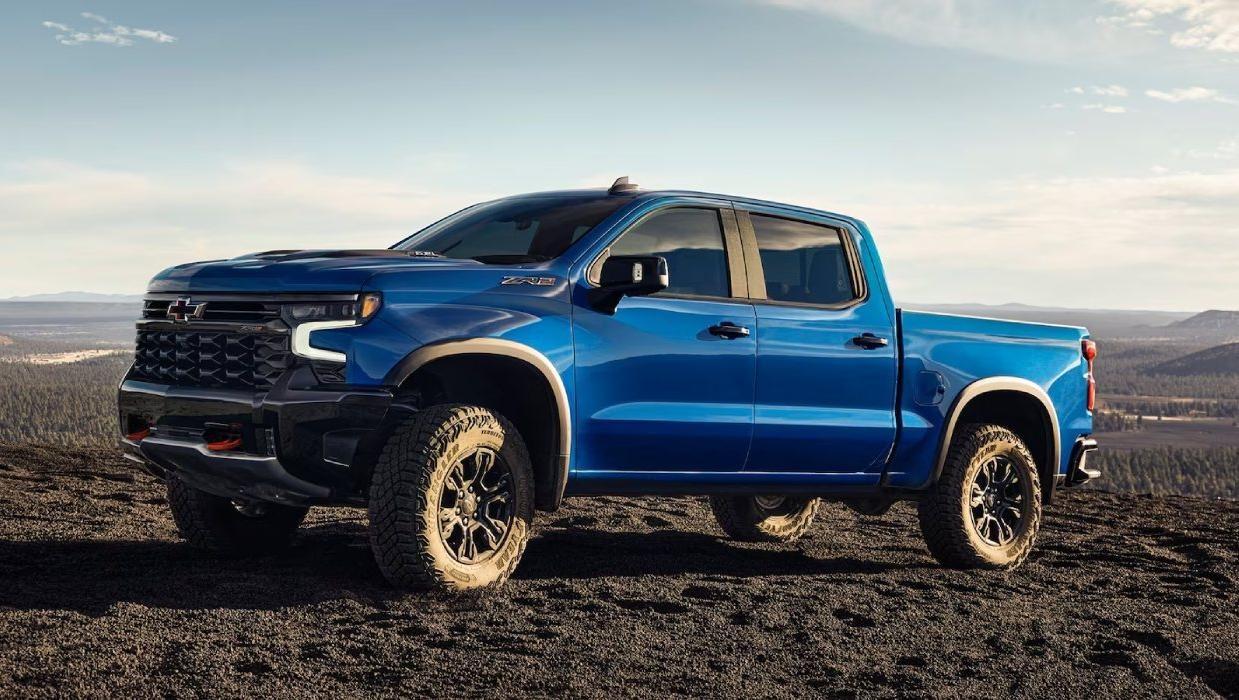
{"points": [[320, 316], [359, 310]]}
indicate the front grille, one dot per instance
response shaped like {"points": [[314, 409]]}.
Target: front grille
{"points": [[210, 358], [227, 310]]}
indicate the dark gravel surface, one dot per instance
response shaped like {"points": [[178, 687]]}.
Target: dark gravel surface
{"points": [[1126, 596]]}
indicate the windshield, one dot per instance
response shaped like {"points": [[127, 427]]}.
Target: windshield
{"points": [[524, 229]]}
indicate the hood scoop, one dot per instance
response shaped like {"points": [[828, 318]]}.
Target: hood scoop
{"points": [[284, 255]]}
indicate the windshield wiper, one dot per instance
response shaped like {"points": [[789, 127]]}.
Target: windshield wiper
{"points": [[511, 258]]}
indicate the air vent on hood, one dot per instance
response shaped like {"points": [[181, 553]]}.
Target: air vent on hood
{"points": [[282, 255]]}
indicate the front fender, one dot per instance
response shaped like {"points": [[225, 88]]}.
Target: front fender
{"points": [[505, 348]]}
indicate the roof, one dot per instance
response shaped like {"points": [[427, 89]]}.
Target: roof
{"points": [[655, 194]]}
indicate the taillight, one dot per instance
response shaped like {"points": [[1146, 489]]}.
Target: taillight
{"points": [[1088, 348]]}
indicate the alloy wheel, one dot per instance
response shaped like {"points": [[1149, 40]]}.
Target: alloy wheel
{"points": [[997, 501], [475, 507]]}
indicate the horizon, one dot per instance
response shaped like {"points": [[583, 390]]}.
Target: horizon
{"points": [[1064, 155]]}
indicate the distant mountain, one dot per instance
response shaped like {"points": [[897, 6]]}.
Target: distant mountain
{"points": [[1222, 359], [1102, 323], [80, 297], [1211, 320]]}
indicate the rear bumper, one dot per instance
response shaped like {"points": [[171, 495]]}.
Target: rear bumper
{"points": [[300, 442], [1078, 469]]}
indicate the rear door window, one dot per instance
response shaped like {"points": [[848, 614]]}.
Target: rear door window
{"points": [[803, 263]]}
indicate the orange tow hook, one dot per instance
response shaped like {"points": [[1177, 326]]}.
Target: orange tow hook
{"points": [[138, 436], [224, 445]]}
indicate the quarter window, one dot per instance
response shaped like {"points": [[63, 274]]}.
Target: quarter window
{"points": [[692, 242], [803, 263]]}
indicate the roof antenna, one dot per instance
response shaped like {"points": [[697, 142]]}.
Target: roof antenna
{"points": [[622, 186]]}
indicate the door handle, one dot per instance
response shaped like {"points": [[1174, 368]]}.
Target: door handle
{"points": [[870, 341], [729, 330]]}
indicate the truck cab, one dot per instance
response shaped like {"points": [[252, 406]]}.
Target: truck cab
{"points": [[594, 342]]}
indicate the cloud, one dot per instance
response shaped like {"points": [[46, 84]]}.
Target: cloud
{"points": [[1034, 32], [1191, 94], [1108, 109], [124, 226], [1163, 239], [1036, 241], [1109, 90], [154, 35], [1100, 90], [1226, 150], [1212, 25], [107, 33]]}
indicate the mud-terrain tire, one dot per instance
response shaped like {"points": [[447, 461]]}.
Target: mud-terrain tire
{"points": [[215, 523], [764, 518], [437, 496], [985, 509]]}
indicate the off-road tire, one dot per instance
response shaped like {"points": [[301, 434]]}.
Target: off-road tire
{"points": [[407, 487], [211, 522], [745, 518], [945, 511]]}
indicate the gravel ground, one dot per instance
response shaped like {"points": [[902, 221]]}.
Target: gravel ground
{"points": [[1126, 596]]}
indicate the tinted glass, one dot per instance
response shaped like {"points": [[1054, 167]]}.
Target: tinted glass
{"points": [[692, 242], [521, 229], [803, 262]]}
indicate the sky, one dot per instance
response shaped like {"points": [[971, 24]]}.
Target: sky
{"points": [[1070, 153]]}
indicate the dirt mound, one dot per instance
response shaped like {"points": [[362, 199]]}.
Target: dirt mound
{"points": [[1124, 596]]}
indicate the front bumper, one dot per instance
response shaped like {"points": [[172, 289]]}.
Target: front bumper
{"points": [[299, 443]]}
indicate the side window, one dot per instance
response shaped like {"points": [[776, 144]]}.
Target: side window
{"points": [[692, 242], [804, 263]]}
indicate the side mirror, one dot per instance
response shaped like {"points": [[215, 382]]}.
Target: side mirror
{"points": [[628, 276]]}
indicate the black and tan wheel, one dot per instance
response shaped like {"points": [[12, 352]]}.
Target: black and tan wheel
{"points": [[764, 518], [985, 509], [220, 524], [451, 500]]}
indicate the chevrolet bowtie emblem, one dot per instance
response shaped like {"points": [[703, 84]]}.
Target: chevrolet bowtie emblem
{"points": [[183, 309]]}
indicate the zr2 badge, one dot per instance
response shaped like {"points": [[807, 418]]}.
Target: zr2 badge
{"points": [[535, 281]]}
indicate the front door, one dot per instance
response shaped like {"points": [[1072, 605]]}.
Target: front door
{"points": [[826, 351], [666, 382]]}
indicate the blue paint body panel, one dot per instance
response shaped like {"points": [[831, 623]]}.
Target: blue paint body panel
{"points": [[962, 350], [657, 403], [656, 392]]}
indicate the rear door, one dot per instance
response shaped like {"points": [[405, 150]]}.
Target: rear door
{"points": [[826, 348], [666, 382]]}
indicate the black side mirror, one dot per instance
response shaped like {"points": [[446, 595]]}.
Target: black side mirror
{"points": [[628, 276]]}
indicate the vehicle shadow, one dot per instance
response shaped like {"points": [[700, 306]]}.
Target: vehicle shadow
{"points": [[326, 562], [579, 554], [333, 561]]}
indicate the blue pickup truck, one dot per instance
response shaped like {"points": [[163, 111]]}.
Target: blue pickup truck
{"points": [[594, 342]]}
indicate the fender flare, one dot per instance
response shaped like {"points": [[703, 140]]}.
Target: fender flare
{"points": [[990, 385], [503, 348]]}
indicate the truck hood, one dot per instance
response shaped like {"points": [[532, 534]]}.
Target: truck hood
{"points": [[293, 271]]}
